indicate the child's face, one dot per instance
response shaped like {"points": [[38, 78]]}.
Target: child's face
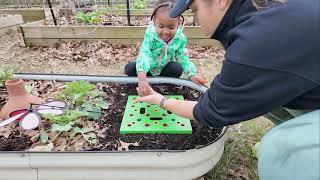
{"points": [[166, 26]]}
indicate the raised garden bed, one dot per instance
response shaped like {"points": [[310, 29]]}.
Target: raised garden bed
{"points": [[10, 23], [36, 34], [175, 156], [110, 27], [28, 14], [108, 19]]}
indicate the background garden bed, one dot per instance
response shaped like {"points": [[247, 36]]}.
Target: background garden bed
{"points": [[35, 34], [28, 14], [10, 23]]}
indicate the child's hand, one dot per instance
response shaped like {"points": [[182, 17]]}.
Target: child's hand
{"points": [[198, 80], [144, 88]]}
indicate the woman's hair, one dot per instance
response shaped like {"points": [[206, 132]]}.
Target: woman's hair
{"points": [[262, 4]]}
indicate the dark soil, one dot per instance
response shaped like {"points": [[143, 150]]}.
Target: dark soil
{"points": [[117, 96], [15, 143], [3, 96], [201, 135]]}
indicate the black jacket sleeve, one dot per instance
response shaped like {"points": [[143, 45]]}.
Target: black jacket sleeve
{"points": [[242, 92]]}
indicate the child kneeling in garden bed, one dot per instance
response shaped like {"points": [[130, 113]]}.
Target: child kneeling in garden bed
{"points": [[163, 51]]}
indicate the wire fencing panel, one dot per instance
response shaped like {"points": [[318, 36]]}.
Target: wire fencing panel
{"points": [[116, 4]]}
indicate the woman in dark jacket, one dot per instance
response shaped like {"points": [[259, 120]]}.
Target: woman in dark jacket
{"points": [[271, 66]]}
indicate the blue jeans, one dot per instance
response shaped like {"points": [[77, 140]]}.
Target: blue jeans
{"points": [[290, 151]]}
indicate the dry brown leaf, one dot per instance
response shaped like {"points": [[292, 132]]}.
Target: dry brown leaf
{"points": [[6, 131], [79, 144], [102, 133], [87, 146], [61, 144], [45, 148], [76, 138], [35, 137], [51, 135], [125, 146]]}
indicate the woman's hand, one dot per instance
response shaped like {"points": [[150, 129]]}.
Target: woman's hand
{"points": [[153, 98], [198, 80]]}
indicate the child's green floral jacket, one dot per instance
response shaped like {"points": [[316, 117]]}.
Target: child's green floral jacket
{"points": [[155, 54]]}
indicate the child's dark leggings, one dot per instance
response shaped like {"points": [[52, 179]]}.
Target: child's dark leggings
{"points": [[172, 69]]}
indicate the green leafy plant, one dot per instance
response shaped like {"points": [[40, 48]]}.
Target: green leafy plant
{"points": [[83, 96], [89, 18], [84, 102], [5, 74], [138, 4], [67, 117], [76, 92]]}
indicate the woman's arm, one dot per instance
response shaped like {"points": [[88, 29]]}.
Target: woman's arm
{"points": [[181, 108]]}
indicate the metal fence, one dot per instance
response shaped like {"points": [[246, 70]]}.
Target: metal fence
{"points": [[44, 3]]}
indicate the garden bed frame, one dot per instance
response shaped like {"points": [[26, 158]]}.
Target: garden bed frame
{"points": [[10, 24], [154, 164], [36, 34], [28, 14]]}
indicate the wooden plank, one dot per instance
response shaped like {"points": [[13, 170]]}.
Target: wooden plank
{"points": [[10, 21], [9, 30], [28, 15], [48, 42], [103, 32]]}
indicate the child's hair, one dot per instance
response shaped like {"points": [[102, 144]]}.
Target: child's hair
{"points": [[168, 4]]}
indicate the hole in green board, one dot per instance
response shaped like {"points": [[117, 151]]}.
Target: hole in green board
{"points": [[147, 124], [130, 114], [129, 124], [133, 122], [156, 118], [172, 119], [156, 122], [147, 114], [148, 105], [142, 110], [139, 119], [182, 124], [164, 114], [169, 112], [165, 124]]}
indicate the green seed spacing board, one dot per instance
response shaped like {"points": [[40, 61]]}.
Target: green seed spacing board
{"points": [[143, 118]]}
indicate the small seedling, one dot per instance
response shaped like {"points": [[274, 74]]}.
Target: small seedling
{"points": [[83, 103], [5, 74], [89, 17]]}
